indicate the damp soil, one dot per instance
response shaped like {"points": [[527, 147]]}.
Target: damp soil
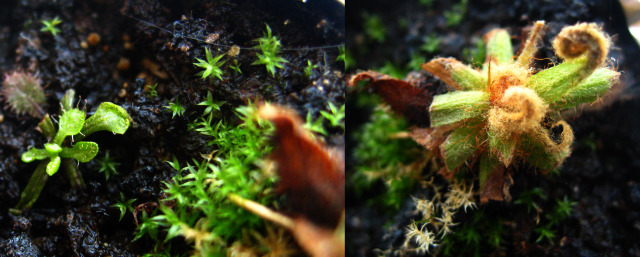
{"points": [[601, 173], [160, 40]]}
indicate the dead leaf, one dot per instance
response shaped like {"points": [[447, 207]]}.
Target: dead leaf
{"points": [[497, 185], [310, 176], [403, 97]]}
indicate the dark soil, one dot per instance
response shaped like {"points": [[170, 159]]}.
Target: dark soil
{"points": [[161, 40], [601, 174]]}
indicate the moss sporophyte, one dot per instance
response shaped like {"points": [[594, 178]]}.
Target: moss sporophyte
{"points": [[66, 143]]}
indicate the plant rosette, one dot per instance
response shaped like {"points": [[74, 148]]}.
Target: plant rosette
{"points": [[507, 112], [72, 123]]}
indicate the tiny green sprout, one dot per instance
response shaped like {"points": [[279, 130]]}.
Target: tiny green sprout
{"points": [[50, 26], [336, 116], [563, 210], [309, 68], [176, 108], [507, 112], [374, 27], [210, 104], [108, 166], [431, 44], [211, 66], [71, 125], [123, 205], [456, 14], [341, 54], [315, 126], [527, 198], [152, 90], [545, 233], [270, 47], [236, 67]]}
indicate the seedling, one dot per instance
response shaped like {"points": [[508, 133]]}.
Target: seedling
{"points": [[211, 66], [270, 46], [374, 27], [72, 124], [336, 116], [50, 26], [123, 205], [176, 108], [506, 113], [152, 90], [310, 67], [211, 104], [108, 166], [457, 12]]}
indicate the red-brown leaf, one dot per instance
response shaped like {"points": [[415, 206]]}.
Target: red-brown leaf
{"points": [[403, 97], [497, 185], [310, 175]]}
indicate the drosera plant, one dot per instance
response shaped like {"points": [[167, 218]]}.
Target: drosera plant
{"points": [[66, 143], [269, 55], [50, 26], [23, 93], [501, 116]]}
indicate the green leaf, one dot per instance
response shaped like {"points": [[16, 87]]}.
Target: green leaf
{"points": [[109, 117], [503, 147], [37, 181], [71, 123], [459, 146], [458, 105], [47, 127], [588, 90], [487, 165], [551, 84], [499, 47], [82, 151], [67, 99], [53, 165], [537, 155], [34, 154]]}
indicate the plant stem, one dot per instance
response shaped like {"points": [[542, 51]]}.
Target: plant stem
{"points": [[262, 211], [33, 189], [75, 177]]}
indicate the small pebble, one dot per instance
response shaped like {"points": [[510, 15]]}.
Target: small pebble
{"points": [[93, 39], [123, 64]]}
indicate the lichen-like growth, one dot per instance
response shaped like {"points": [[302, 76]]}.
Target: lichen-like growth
{"points": [[23, 93]]}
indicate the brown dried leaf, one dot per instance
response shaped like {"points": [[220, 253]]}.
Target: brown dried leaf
{"points": [[311, 176], [319, 241], [403, 97], [438, 67], [497, 185], [430, 138]]}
